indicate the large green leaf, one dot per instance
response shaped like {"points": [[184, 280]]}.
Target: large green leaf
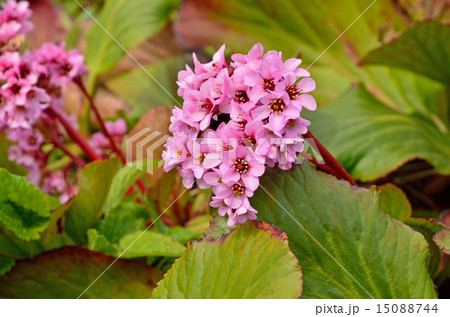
{"points": [[345, 244], [25, 217], [371, 140], [394, 202], [423, 49], [94, 182], [67, 272], [128, 23], [149, 243], [253, 261]]}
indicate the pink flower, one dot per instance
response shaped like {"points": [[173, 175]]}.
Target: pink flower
{"points": [[28, 140], [255, 53], [16, 90], [176, 153], [246, 165], [218, 63]]}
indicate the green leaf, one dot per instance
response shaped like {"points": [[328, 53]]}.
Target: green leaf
{"points": [[149, 243], [25, 217], [253, 261], [200, 223], [367, 253], [183, 235], [13, 247], [5, 163], [371, 140], [123, 220], [394, 202], [442, 239], [428, 228], [54, 237], [422, 49], [124, 178], [67, 272], [218, 227], [94, 182], [6, 264], [98, 242], [128, 23]]}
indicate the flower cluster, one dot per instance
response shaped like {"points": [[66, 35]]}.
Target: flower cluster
{"points": [[30, 84], [235, 120]]}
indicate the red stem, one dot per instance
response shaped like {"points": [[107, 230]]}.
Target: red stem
{"points": [[325, 168], [74, 135], [114, 147], [77, 160], [330, 160], [100, 121]]}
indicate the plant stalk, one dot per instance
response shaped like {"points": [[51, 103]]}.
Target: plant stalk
{"points": [[100, 121], [330, 160], [74, 135]]}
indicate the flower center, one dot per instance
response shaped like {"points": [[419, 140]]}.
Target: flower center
{"points": [[179, 152], [15, 88], [277, 105], [32, 140], [249, 140], [241, 96], [293, 91], [269, 84], [31, 94], [238, 189], [291, 123], [206, 106], [65, 69], [201, 158], [24, 70], [241, 166]]}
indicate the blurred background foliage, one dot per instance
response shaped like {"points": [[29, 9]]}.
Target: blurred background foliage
{"points": [[383, 77]]}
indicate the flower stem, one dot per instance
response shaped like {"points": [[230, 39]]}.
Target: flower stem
{"points": [[330, 160], [114, 147], [74, 135], [77, 160], [324, 168]]}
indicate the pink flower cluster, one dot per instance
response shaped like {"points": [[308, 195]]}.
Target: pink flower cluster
{"points": [[14, 20], [235, 120], [29, 84]]}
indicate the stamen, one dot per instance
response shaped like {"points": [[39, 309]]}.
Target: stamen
{"points": [[241, 96], [241, 166], [269, 84], [277, 105], [238, 189]]}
